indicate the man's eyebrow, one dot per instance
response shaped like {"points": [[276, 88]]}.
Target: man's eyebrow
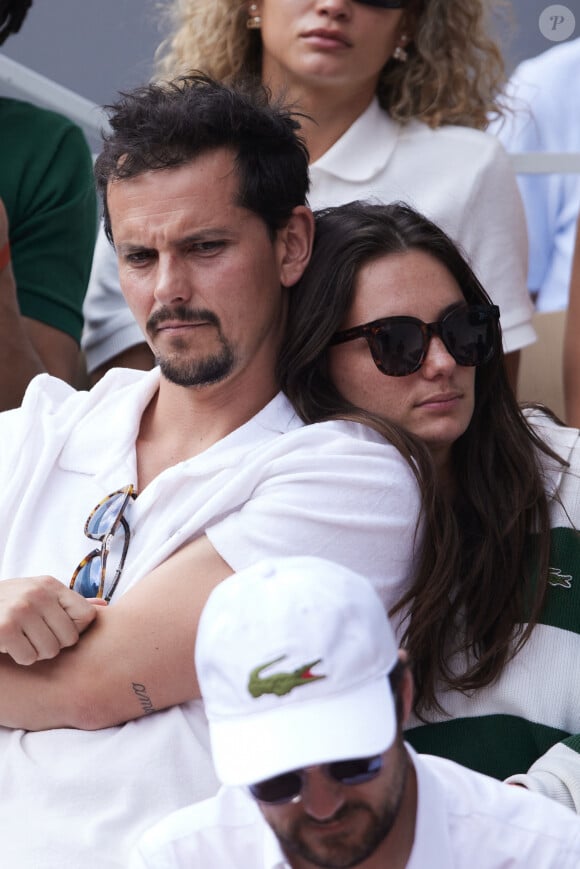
{"points": [[205, 234], [213, 232], [128, 247]]}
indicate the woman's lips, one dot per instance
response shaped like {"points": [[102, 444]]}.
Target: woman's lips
{"points": [[440, 399], [327, 38]]}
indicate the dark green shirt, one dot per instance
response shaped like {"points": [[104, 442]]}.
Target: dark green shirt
{"points": [[46, 184]]}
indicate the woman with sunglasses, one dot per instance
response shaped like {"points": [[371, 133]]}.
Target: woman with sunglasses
{"points": [[492, 622], [395, 95]]}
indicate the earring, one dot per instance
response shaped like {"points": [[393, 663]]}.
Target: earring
{"points": [[400, 53], [254, 22]]}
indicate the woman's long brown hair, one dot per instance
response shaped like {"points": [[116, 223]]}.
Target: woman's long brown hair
{"points": [[477, 593]]}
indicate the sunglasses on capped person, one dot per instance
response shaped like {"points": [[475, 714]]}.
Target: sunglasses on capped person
{"points": [[399, 345], [89, 578], [287, 787]]}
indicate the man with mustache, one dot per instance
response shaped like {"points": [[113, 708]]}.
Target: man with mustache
{"points": [[316, 770], [198, 468]]}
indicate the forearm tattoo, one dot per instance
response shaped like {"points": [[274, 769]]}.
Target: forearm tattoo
{"points": [[143, 697]]}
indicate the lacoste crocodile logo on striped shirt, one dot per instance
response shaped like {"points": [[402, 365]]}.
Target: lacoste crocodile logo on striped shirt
{"points": [[559, 579]]}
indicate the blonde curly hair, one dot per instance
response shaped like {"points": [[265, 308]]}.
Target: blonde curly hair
{"points": [[453, 75]]}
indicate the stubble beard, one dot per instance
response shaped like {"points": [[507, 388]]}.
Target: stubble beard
{"points": [[178, 367], [338, 852], [197, 372]]}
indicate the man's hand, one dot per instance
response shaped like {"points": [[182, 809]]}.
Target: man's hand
{"points": [[39, 616]]}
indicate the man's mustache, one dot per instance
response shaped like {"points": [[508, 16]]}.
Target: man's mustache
{"points": [[183, 314]]}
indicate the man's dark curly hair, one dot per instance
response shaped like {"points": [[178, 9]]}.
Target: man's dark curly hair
{"points": [[169, 124], [12, 15]]}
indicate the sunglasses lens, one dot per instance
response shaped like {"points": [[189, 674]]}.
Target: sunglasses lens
{"points": [[469, 335], [283, 788], [280, 789], [103, 518], [87, 578], [353, 772], [398, 347]]}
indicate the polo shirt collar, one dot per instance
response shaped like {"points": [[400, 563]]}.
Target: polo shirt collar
{"points": [[114, 416], [364, 150]]}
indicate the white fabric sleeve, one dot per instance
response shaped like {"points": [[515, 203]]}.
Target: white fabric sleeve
{"points": [[138, 861], [540, 102], [22, 425], [146, 856], [555, 775], [349, 499], [110, 327], [12, 435], [518, 131], [495, 236]]}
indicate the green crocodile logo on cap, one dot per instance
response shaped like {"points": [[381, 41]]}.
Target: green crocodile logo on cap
{"points": [[281, 683]]}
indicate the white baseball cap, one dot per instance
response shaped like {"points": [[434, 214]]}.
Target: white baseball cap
{"points": [[293, 657]]}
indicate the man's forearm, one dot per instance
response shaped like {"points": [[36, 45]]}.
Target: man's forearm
{"points": [[24, 696], [134, 659], [98, 683]]}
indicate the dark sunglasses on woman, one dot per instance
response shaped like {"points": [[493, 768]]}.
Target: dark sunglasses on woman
{"points": [[399, 345]]}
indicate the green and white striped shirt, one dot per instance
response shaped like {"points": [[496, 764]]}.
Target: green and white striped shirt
{"points": [[526, 726]]}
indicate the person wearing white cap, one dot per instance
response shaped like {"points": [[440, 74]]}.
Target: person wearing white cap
{"points": [[306, 696]]}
